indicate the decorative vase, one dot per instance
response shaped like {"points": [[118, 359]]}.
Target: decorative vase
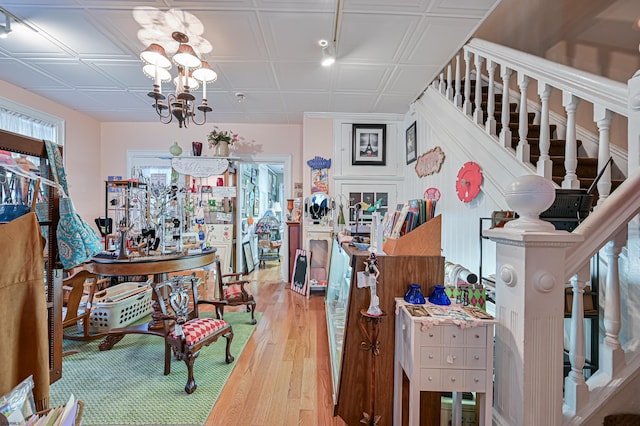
{"points": [[438, 296], [414, 295], [222, 149], [197, 148], [175, 149]]}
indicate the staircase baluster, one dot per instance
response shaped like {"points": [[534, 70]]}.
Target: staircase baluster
{"points": [[505, 132], [442, 88], [544, 165], [477, 114], [490, 125], [603, 117], [449, 83], [522, 150], [611, 353], [570, 103], [576, 391], [467, 82], [458, 95]]}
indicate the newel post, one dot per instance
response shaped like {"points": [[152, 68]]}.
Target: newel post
{"points": [[530, 257]]}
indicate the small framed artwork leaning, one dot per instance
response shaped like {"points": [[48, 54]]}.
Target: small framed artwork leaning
{"points": [[411, 142], [369, 145]]}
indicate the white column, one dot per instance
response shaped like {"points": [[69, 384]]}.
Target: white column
{"points": [[490, 125], [611, 354], [634, 124], [458, 96], [522, 150], [449, 83], [576, 391], [478, 116], [570, 103], [602, 117], [530, 257], [505, 116], [467, 83], [544, 165]]}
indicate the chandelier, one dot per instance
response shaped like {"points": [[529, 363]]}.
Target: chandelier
{"points": [[192, 71]]}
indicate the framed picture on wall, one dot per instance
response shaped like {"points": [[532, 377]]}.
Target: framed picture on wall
{"points": [[411, 142], [369, 145]]}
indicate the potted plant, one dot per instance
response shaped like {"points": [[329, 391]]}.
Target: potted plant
{"points": [[221, 139]]}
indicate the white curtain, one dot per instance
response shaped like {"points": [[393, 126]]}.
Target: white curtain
{"points": [[23, 124]]}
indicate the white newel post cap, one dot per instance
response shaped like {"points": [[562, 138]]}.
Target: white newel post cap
{"points": [[530, 195]]}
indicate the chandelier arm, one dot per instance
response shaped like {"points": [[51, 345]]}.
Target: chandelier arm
{"points": [[204, 119], [159, 112]]}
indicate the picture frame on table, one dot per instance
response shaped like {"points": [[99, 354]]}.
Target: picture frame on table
{"points": [[411, 143], [369, 145], [248, 257]]}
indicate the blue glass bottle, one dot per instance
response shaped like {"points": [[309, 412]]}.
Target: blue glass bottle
{"points": [[414, 295], [438, 296]]}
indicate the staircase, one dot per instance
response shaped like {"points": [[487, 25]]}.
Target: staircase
{"points": [[550, 147], [587, 167]]}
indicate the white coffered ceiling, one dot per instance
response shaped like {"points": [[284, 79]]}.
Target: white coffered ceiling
{"points": [[84, 54]]}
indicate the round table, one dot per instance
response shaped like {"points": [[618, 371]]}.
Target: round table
{"points": [[159, 267]]}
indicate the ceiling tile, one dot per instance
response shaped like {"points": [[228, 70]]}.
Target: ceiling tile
{"points": [[373, 38], [295, 35], [361, 77], [477, 8], [389, 6], [248, 75], [307, 102], [403, 80], [305, 76], [351, 102], [447, 31]]}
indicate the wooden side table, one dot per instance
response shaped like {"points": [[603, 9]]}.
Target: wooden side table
{"points": [[443, 354]]}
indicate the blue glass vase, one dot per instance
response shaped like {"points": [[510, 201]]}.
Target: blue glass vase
{"points": [[414, 295], [438, 296]]}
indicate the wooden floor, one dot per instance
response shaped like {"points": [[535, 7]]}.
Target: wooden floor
{"points": [[283, 375]]}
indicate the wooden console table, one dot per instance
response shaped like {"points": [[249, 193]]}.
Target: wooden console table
{"points": [[448, 352], [159, 267]]}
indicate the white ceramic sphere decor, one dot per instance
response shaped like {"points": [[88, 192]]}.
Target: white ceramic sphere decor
{"points": [[530, 195]]}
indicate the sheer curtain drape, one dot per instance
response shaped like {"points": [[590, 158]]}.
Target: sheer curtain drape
{"points": [[23, 124]]}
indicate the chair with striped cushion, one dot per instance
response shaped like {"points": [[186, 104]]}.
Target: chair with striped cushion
{"points": [[186, 333], [232, 291]]}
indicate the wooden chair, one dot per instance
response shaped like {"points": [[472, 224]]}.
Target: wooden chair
{"points": [[186, 333], [233, 292], [81, 283]]}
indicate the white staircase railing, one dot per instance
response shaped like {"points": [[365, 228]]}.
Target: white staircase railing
{"points": [[605, 228]]}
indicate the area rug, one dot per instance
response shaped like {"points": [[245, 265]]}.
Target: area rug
{"points": [[126, 385]]}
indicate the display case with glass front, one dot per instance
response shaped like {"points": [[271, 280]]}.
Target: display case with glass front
{"points": [[336, 302]]}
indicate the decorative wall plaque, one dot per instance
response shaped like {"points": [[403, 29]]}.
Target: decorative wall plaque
{"points": [[430, 162]]}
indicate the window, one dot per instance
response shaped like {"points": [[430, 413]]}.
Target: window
{"points": [[27, 121]]}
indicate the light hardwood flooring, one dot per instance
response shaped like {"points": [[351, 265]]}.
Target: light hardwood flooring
{"points": [[283, 375]]}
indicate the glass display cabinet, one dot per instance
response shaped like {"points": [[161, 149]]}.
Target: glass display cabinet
{"points": [[350, 365], [336, 302]]}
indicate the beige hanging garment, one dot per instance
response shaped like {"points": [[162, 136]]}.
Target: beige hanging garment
{"points": [[23, 310]]}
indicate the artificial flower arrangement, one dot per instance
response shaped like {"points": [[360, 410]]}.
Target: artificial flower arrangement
{"points": [[216, 136]]}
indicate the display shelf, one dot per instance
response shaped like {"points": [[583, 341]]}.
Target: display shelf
{"points": [[350, 365]]}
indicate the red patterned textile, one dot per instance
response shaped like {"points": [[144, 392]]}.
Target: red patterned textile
{"points": [[233, 291], [199, 328]]}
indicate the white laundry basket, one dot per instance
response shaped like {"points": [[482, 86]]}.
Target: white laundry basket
{"points": [[119, 306]]}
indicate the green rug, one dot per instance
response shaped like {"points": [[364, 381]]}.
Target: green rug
{"points": [[125, 386]]}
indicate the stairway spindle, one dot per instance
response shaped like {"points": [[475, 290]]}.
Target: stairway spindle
{"points": [[505, 132]]}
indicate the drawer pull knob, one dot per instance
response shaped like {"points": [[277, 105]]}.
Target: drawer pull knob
{"points": [[430, 379], [476, 357], [477, 336], [453, 335], [404, 327], [430, 334], [430, 356], [475, 379], [453, 379]]}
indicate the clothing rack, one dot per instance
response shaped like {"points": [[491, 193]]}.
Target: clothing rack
{"points": [[20, 144]]}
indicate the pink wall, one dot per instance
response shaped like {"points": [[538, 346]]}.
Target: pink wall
{"points": [[117, 138], [81, 149], [318, 140]]}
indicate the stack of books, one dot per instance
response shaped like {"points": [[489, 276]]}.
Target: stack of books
{"points": [[407, 217]]}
